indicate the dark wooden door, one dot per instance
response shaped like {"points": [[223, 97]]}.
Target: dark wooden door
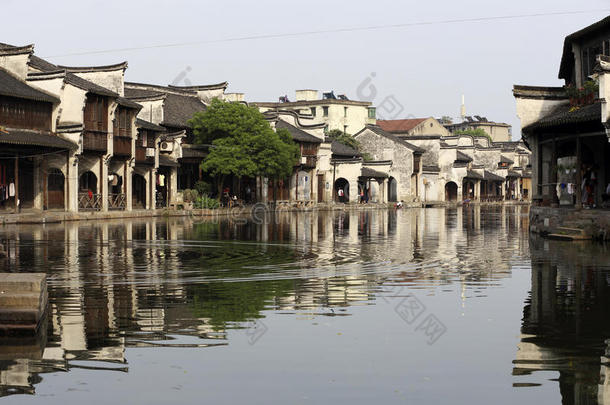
{"points": [[55, 189], [321, 188]]}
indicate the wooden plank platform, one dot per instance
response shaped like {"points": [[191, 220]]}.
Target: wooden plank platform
{"points": [[23, 302]]}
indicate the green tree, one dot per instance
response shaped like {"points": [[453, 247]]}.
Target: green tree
{"points": [[445, 119], [348, 140], [242, 143], [344, 138]]}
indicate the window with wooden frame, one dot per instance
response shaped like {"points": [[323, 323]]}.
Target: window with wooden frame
{"points": [[96, 113], [122, 122], [27, 114]]}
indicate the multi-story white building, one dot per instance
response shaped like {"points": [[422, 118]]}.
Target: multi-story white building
{"points": [[335, 112]]}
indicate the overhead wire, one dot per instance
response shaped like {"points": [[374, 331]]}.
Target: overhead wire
{"points": [[330, 31]]}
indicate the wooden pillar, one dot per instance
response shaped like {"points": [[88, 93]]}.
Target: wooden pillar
{"points": [[578, 203], [16, 184], [553, 174], [67, 183]]}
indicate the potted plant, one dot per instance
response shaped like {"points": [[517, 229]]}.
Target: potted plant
{"points": [[591, 89], [572, 93]]}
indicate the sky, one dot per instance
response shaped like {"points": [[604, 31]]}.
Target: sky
{"points": [[406, 70]]}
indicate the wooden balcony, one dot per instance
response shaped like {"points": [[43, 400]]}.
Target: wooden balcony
{"points": [[96, 141], [121, 146]]}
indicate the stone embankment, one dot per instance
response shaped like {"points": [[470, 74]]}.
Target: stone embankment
{"points": [[570, 223]]}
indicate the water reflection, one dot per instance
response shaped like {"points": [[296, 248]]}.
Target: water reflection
{"points": [[565, 324], [190, 283]]}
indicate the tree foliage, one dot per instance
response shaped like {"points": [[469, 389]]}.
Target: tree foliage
{"points": [[242, 143], [344, 138]]}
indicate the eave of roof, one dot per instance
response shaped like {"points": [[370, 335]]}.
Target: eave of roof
{"points": [[35, 138], [297, 133], [567, 58], [88, 69], [461, 156], [565, 115], [470, 174], [202, 87], [122, 101], [13, 87], [140, 123], [487, 175], [311, 102], [340, 149], [368, 172]]}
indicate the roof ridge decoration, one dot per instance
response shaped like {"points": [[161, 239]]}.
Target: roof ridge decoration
{"points": [[216, 86], [37, 76], [101, 68], [297, 117], [602, 64], [160, 88], [10, 50]]}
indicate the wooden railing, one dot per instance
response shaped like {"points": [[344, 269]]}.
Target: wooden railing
{"points": [[95, 141], [116, 201], [121, 146], [87, 202]]}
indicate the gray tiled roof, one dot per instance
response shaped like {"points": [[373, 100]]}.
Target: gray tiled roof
{"points": [[128, 103], [339, 149], [177, 110], [487, 175], [368, 172], [13, 87], [140, 123], [504, 159], [563, 115], [379, 131], [470, 174], [431, 169], [35, 138], [297, 134], [461, 156], [139, 93]]}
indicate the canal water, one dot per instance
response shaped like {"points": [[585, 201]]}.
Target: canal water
{"points": [[410, 306]]}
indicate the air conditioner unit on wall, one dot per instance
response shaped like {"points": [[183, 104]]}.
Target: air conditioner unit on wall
{"points": [[150, 152], [166, 146]]}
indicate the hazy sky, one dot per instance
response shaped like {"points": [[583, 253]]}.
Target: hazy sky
{"points": [[424, 69]]}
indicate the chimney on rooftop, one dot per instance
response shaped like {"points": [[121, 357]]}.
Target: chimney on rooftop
{"points": [[306, 95]]}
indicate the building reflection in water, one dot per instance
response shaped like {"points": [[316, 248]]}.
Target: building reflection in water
{"points": [[188, 282], [565, 324]]}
